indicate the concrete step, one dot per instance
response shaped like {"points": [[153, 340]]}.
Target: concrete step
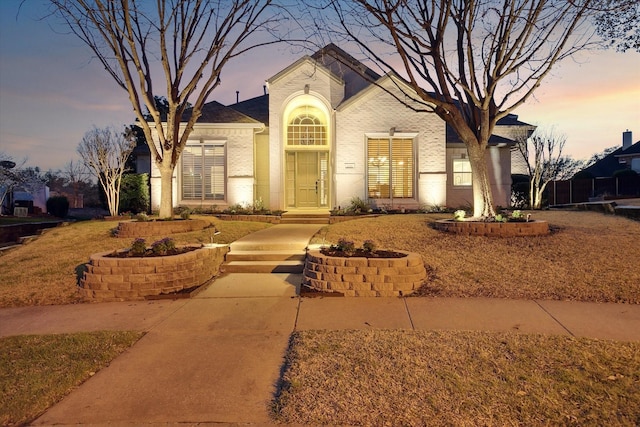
{"points": [[6, 247], [294, 267], [26, 239], [265, 256], [266, 246], [303, 220]]}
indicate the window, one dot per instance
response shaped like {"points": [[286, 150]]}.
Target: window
{"points": [[461, 172], [390, 168], [203, 173], [306, 127]]}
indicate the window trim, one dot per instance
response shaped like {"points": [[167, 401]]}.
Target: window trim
{"points": [[202, 143], [294, 125], [465, 173], [412, 137]]}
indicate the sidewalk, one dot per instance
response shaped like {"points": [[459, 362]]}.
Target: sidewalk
{"points": [[217, 358]]}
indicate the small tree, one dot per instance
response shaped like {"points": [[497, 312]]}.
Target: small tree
{"points": [[104, 152], [15, 176], [542, 153], [599, 156], [76, 176], [181, 46], [9, 178]]}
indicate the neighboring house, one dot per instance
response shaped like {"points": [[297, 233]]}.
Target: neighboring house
{"points": [[324, 135], [625, 157]]}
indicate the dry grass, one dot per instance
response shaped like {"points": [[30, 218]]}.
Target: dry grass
{"points": [[44, 271], [415, 378], [588, 257], [38, 371]]}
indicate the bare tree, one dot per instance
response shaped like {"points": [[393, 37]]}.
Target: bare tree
{"points": [[619, 24], [76, 175], [470, 62], [104, 152], [596, 157], [187, 41], [14, 176], [542, 152]]}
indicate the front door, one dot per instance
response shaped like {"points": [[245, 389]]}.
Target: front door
{"points": [[307, 188], [307, 179]]}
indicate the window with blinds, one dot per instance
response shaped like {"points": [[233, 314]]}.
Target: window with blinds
{"points": [[306, 127], [203, 172], [390, 168], [461, 172]]}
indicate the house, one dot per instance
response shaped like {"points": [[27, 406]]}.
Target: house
{"points": [[625, 157], [325, 134]]}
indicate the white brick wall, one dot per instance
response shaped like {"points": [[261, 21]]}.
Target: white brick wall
{"points": [[371, 112], [239, 151], [377, 112], [283, 89]]}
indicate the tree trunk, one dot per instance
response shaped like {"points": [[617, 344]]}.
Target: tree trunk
{"points": [[532, 192], [166, 191], [539, 194], [482, 195]]}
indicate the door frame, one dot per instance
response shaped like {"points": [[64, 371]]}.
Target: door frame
{"points": [[293, 181]]}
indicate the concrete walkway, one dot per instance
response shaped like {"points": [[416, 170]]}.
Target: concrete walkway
{"points": [[217, 357]]}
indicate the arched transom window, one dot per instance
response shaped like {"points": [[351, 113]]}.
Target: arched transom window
{"points": [[306, 126]]}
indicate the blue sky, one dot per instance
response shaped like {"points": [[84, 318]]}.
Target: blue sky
{"points": [[51, 92]]}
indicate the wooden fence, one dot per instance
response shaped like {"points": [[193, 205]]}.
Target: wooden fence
{"points": [[585, 190]]}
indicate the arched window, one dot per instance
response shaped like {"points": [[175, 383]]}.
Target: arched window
{"points": [[306, 127]]}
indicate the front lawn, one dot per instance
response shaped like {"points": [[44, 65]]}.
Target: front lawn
{"points": [[38, 371], [588, 257], [44, 271], [447, 378]]}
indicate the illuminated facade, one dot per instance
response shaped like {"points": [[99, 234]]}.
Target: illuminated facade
{"points": [[323, 135]]}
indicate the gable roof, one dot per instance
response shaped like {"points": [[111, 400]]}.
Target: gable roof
{"points": [[453, 138], [214, 112], [511, 120], [305, 59], [391, 77], [344, 66], [632, 151], [256, 108], [339, 65], [605, 167]]}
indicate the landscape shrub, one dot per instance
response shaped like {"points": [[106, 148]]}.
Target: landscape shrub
{"points": [[58, 206], [519, 191], [138, 247], [624, 172], [134, 193], [162, 246]]}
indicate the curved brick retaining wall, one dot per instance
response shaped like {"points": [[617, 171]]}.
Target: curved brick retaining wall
{"points": [[491, 229], [369, 277], [120, 279], [133, 229]]}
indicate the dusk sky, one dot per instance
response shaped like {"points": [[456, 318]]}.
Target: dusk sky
{"points": [[51, 92]]}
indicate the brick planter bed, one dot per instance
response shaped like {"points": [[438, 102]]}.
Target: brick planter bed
{"points": [[369, 277], [133, 229], [123, 279], [493, 229]]}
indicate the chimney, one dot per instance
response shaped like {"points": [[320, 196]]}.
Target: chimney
{"points": [[237, 96], [627, 139], [264, 89]]}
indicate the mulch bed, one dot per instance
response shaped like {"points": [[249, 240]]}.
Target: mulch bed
{"points": [[361, 253], [149, 253]]}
